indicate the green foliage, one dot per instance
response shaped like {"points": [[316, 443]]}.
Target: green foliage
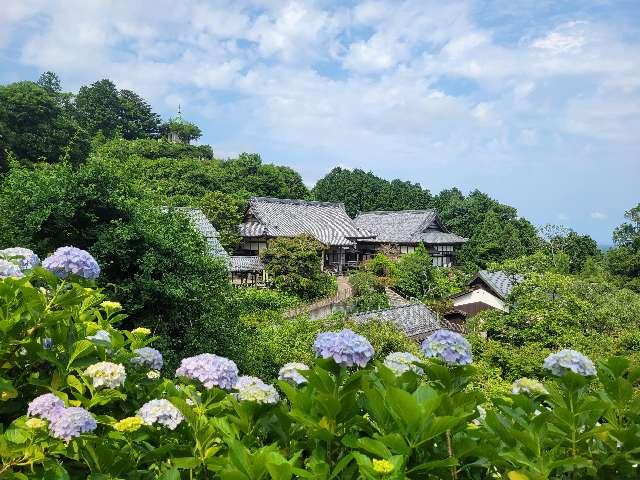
{"points": [[368, 291], [186, 131], [362, 191], [341, 423], [36, 126], [624, 260], [294, 266], [225, 212], [121, 151], [101, 108], [153, 262]]}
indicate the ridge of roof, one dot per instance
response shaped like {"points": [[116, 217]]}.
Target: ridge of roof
{"points": [[392, 212], [292, 201], [388, 309]]}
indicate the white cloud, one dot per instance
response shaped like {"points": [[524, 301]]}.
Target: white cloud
{"points": [[598, 215]]}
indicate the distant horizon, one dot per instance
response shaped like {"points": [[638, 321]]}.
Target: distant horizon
{"points": [[536, 104]]}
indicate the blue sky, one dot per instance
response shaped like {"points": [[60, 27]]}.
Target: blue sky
{"points": [[536, 102]]}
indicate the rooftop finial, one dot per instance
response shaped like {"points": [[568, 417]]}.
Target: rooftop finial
{"points": [[179, 111]]}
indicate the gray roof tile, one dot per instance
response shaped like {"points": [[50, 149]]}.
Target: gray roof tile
{"points": [[208, 231], [500, 282], [416, 320], [327, 222], [246, 264]]}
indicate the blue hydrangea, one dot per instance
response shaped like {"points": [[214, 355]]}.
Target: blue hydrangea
{"points": [[160, 411], [566, 360], [290, 372], [74, 261], [45, 406], [449, 347], [253, 389], [210, 369], [9, 270], [71, 422], [101, 336], [401, 362], [346, 348], [23, 257], [149, 357], [47, 343]]}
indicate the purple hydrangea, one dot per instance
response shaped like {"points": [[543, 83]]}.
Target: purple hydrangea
{"points": [[210, 369], [47, 343], [23, 257], [449, 347], [9, 270], [345, 347], [149, 357], [72, 260], [160, 411], [71, 422], [45, 406], [566, 360]]}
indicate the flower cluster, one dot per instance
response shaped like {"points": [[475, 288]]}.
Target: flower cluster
{"points": [[71, 422], [72, 260], [382, 466], [46, 406], [129, 424], [149, 357], [24, 258], [109, 305], [290, 372], [106, 374], [160, 411], [210, 369], [449, 347], [529, 386], [566, 360], [9, 270], [346, 348], [252, 389], [401, 362], [100, 335], [141, 331]]}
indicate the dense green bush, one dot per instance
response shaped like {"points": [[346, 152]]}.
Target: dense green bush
{"points": [[339, 422]]}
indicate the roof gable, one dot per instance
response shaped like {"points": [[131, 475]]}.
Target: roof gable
{"points": [[499, 282], [327, 222]]}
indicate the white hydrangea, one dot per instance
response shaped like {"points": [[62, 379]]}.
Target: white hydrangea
{"points": [[9, 270], [252, 389], [106, 374], [160, 411], [401, 362], [290, 372]]}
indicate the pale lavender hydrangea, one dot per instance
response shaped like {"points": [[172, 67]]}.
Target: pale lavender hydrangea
{"points": [[72, 260], [449, 347], [149, 357], [100, 335], [566, 360], [71, 422], [401, 362], [290, 372], [252, 389], [9, 270], [23, 257], [45, 406], [529, 386], [345, 347], [160, 411], [210, 369]]}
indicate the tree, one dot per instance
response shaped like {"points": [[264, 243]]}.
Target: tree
{"points": [[224, 211], [624, 260], [35, 128], [50, 82], [578, 248], [186, 131], [294, 266], [368, 291], [136, 117]]}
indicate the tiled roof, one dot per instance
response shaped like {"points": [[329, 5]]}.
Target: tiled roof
{"points": [[406, 226], [327, 222], [500, 282], [203, 225], [416, 320], [246, 264], [252, 229]]}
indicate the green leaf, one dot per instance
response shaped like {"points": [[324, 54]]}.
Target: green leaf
{"points": [[185, 462], [80, 349], [75, 383], [172, 474], [16, 435], [56, 472]]}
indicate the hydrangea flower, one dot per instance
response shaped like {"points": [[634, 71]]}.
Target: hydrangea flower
{"points": [[141, 331], [382, 466], [71, 422], [566, 360], [290, 372], [528, 385], [345, 347], [252, 389], [23, 257], [149, 357], [449, 347], [401, 362], [45, 406], [35, 423], [47, 343], [153, 374], [106, 374], [9, 270], [210, 369], [109, 305], [129, 424], [101, 335], [72, 260], [160, 411]]}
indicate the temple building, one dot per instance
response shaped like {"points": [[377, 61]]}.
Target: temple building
{"points": [[486, 290]]}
